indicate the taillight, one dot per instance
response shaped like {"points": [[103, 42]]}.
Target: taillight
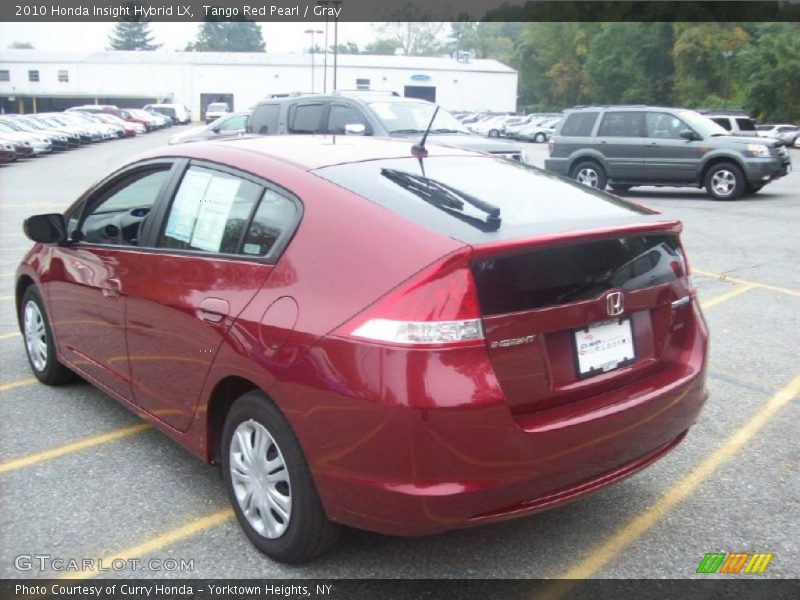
{"points": [[436, 307]]}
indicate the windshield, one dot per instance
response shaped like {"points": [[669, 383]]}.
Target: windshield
{"points": [[414, 117], [701, 124]]}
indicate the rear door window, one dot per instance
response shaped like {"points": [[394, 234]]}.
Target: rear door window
{"points": [[723, 122], [218, 212], [746, 125], [621, 124], [210, 212], [306, 118], [579, 124]]}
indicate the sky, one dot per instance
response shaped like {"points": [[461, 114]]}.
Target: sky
{"points": [[280, 38]]}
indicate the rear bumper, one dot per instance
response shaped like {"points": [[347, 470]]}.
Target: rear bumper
{"points": [[559, 166], [408, 444]]}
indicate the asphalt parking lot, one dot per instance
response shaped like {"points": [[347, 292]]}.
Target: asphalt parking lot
{"points": [[80, 476]]}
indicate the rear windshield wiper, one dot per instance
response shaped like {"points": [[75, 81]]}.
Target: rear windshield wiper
{"points": [[447, 198]]}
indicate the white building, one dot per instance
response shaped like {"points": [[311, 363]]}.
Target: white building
{"points": [[35, 81]]}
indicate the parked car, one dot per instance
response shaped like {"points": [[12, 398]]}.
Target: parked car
{"points": [[786, 132], [215, 110], [57, 140], [95, 132], [93, 122], [179, 113], [161, 119], [39, 144], [232, 124], [21, 148], [491, 127], [628, 146], [539, 132], [271, 315], [389, 116], [36, 125], [735, 124], [50, 120], [7, 152], [128, 128]]}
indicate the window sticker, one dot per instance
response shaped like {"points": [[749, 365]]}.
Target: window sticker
{"points": [[213, 215], [185, 207]]}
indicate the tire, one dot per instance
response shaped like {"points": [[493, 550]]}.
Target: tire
{"points": [[725, 181], [620, 188], [292, 528], [539, 138], [39, 344], [591, 174]]}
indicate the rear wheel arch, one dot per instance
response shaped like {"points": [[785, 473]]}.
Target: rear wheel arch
{"points": [[219, 403]]}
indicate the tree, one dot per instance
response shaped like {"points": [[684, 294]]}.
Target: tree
{"points": [[228, 36], [385, 47], [132, 35], [348, 48], [701, 71], [617, 75], [20, 46], [415, 39], [769, 72]]}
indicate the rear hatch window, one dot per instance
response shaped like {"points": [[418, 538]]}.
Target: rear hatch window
{"points": [[480, 199]]}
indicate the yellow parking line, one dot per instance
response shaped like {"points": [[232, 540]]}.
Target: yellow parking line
{"points": [[4, 387], [6, 274], [628, 534], [165, 539], [714, 300], [37, 457], [766, 286], [6, 336], [6, 297]]}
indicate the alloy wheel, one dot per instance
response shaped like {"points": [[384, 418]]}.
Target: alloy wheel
{"points": [[587, 176], [723, 182]]}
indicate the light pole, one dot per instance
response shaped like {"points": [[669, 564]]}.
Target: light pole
{"points": [[324, 3], [726, 56], [313, 47]]}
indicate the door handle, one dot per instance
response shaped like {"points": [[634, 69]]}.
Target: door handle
{"points": [[213, 310], [111, 288]]}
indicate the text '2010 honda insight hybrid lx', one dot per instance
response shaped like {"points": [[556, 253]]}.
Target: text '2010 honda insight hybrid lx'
{"points": [[365, 334]]}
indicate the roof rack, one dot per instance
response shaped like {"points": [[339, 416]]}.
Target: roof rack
{"points": [[724, 112]]}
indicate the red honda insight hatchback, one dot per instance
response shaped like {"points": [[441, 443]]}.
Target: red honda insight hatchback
{"points": [[365, 334]]}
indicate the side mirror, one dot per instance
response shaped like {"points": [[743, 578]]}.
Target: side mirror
{"points": [[689, 135], [355, 129], [46, 229]]}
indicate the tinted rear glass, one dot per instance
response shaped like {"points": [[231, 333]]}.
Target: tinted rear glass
{"points": [[563, 274], [265, 119], [746, 125], [456, 196], [579, 124], [305, 118], [621, 124]]}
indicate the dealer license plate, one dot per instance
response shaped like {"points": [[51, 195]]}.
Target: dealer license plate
{"points": [[604, 346]]}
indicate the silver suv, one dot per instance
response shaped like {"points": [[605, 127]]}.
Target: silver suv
{"points": [[627, 146]]}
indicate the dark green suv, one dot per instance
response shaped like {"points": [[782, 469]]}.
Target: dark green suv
{"points": [[626, 146]]}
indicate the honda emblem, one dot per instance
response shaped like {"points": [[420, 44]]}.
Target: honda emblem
{"points": [[615, 304]]}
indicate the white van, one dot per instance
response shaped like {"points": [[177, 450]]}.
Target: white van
{"points": [[179, 113]]}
